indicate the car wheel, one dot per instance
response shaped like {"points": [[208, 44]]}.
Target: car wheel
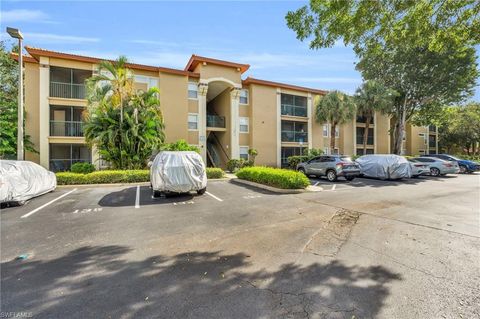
{"points": [[349, 178], [302, 170], [434, 171], [331, 176], [463, 169], [202, 191]]}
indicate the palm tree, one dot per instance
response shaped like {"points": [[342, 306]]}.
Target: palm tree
{"points": [[115, 83], [335, 108], [369, 98]]}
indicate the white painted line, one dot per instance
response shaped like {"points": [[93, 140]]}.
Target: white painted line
{"points": [[334, 186], [316, 183], [219, 199], [45, 205], [137, 198]]}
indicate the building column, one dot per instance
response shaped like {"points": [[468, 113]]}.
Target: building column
{"points": [[234, 123], [202, 119], [310, 121], [279, 128], [374, 132], [44, 112]]}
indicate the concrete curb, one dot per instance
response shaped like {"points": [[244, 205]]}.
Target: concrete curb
{"points": [[268, 188]]}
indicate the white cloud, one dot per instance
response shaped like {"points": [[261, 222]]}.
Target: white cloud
{"points": [[56, 38], [24, 15]]}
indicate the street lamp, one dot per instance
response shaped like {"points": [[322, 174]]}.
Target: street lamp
{"points": [[16, 34]]}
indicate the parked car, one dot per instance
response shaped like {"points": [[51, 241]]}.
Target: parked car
{"points": [[331, 166], [418, 168], [387, 166], [466, 166], [438, 166], [23, 180], [178, 172]]}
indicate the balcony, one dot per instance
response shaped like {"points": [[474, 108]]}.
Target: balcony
{"points": [[360, 140], [66, 128], [294, 136], [215, 121], [292, 110], [67, 90]]}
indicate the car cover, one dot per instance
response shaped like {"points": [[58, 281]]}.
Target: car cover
{"points": [[384, 166], [22, 180], [178, 172]]}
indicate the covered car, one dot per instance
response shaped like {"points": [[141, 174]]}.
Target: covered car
{"points": [[387, 166], [178, 172], [22, 180]]}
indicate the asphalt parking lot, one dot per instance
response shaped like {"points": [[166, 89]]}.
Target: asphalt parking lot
{"points": [[358, 249]]}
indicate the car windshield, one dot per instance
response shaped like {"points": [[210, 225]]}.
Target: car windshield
{"points": [[454, 158], [346, 158], [413, 160]]}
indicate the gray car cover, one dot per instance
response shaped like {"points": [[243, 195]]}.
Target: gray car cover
{"points": [[178, 172], [22, 180], [384, 166]]}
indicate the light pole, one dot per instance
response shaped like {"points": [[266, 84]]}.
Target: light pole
{"points": [[16, 34]]}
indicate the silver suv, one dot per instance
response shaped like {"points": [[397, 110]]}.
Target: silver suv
{"points": [[331, 166]]}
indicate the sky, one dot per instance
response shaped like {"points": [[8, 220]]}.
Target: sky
{"points": [[166, 34]]}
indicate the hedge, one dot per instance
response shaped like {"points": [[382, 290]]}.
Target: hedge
{"points": [[117, 176], [82, 168], [213, 172], [276, 177], [104, 177]]}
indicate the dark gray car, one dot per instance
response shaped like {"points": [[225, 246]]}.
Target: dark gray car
{"points": [[331, 166]]}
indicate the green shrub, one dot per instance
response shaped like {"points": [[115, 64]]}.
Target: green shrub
{"points": [[235, 164], [214, 172], [180, 145], [103, 177], [82, 168], [475, 158], [276, 177]]}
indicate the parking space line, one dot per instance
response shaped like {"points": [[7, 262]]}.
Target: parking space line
{"points": [[211, 195], [316, 183], [137, 198], [45, 205], [334, 186]]}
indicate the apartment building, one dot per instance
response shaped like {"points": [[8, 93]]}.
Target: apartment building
{"points": [[209, 104]]}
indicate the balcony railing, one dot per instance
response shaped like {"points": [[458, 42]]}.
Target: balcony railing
{"points": [[432, 144], [61, 165], [293, 110], [215, 121], [294, 136], [360, 140], [66, 128], [67, 90]]}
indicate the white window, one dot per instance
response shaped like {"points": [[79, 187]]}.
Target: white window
{"points": [[325, 130], [326, 150], [244, 125], [337, 131], [192, 90], [192, 122], [244, 152], [243, 96]]}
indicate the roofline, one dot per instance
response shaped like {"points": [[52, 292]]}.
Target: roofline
{"points": [[26, 58], [195, 59], [250, 80], [54, 54]]}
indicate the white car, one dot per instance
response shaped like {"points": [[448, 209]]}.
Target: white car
{"points": [[437, 166], [22, 180], [178, 172]]}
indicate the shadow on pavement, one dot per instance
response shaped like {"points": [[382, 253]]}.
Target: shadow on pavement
{"points": [[377, 183], [127, 196], [99, 282]]}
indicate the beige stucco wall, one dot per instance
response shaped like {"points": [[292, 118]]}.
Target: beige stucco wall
{"points": [[218, 71], [174, 106], [263, 124], [32, 96], [382, 134], [71, 64]]}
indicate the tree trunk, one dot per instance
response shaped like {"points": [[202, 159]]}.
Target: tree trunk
{"points": [[332, 137], [365, 134]]}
